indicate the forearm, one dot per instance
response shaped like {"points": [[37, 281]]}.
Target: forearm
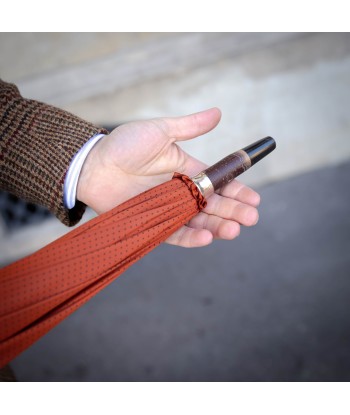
{"points": [[37, 145]]}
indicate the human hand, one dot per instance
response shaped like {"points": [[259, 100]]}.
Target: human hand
{"points": [[140, 155]]}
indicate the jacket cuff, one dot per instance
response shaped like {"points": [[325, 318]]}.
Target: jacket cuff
{"points": [[37, 146]]}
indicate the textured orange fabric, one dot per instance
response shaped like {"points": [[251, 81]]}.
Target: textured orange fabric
{"points": [[39, 291]]}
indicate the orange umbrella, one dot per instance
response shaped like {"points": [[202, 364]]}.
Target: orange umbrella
{"points": [[39, 291]]}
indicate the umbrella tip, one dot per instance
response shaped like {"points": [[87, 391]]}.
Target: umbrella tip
{"points": [[260, 149]]}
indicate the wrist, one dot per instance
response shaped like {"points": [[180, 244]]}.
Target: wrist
{"points": [[88, 174]]}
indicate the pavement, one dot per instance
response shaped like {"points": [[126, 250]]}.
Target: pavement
{"points": [[272, 305]]}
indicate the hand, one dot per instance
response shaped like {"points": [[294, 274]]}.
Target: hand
{"points": [[139, 155]]}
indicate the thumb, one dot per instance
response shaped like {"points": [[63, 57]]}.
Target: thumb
{"points": [[193, 125]]}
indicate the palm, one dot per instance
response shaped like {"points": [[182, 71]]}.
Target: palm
{"points": [[144, 149], [140, 155]]}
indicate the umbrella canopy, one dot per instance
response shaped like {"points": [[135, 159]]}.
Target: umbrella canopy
{"points": [[42, 289], [39, 291]]}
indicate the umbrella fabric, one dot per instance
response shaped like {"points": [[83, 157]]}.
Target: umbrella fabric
{"points": [[39, 291]]}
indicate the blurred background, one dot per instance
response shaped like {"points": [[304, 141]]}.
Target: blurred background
{"points": [[272, 305]]}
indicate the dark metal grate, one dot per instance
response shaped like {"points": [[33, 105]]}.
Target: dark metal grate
{"points": [[16, 212]]}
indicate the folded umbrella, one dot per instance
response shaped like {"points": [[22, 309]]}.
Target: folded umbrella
{"points": [[39, 291]]}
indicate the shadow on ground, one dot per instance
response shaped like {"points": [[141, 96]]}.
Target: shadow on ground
{"points": [[272, 305]]}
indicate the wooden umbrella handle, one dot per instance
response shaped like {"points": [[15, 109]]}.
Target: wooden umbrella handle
{"points": [[225, 170]]}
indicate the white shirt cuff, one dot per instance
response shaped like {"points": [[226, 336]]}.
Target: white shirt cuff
{"points": [[73, 173]]}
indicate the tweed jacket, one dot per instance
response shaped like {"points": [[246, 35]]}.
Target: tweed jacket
{"points": [[37, 144]]}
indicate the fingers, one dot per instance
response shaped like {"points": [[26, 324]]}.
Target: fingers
{"points": [[241, 193], [190, 126], [218, 227], [201, 231], [221, 219], [190, 238], [231, 209]]}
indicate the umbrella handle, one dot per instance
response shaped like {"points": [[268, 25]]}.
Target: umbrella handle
{"points": [[225, 170]]}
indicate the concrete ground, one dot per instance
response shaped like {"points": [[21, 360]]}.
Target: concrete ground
{"points": [[272, 305]]}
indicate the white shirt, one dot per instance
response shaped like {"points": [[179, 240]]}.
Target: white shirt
{"points": [[73, 173]]}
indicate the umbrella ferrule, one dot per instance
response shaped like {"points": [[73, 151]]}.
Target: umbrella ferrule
{"points": [[204, 184]]}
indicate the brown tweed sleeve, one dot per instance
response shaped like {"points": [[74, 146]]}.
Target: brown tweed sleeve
{"points": [[37, 144]]}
